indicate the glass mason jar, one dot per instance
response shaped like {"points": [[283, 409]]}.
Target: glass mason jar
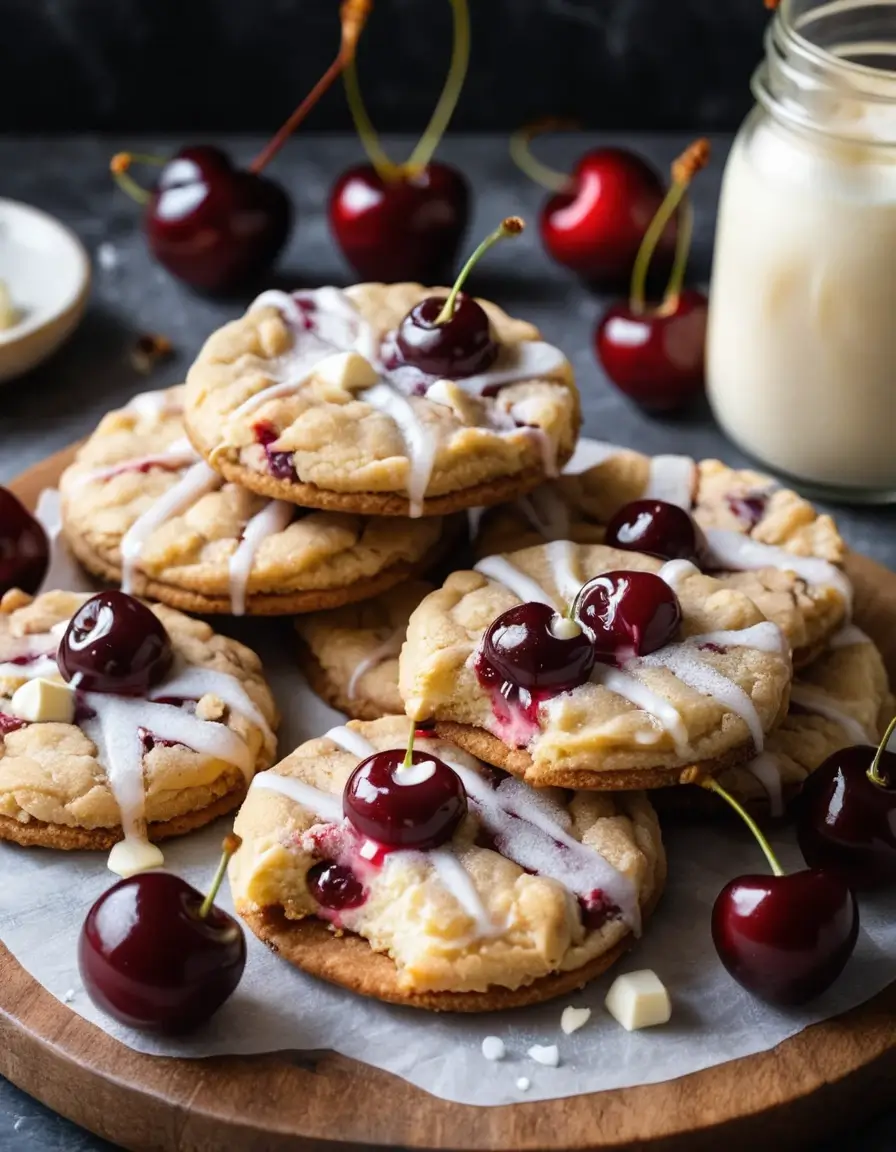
{"points": [[801, 354]]}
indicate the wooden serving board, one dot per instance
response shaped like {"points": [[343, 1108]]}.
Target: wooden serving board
{"points": [[829, 1075]]}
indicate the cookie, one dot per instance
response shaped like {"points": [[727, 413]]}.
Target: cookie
{"points": [[842, 698], [533, 894], [140, 509], [709, 697], [763, 540], [307, 399], [350, 655], [107, 767]]}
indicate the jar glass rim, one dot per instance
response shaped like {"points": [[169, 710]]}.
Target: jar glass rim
{"points": [[791, 24]]}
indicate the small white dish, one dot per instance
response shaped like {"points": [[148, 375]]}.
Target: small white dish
{"points": [[47, 273]]}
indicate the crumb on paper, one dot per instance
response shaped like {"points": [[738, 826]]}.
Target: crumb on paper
{"points": [[546, 1054], [573, 1019], [523, 1083], [20, 1123], [493, 1048], [69, 996], [107, 256], [150, 349], [9, 315]]}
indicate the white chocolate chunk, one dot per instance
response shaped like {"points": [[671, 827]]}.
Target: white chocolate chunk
{"points": [[493, 1048], [573, 1019], [523, 1083], [347, 370], [43, 701], [547, 1054], [639, 1000], [130, 856]]}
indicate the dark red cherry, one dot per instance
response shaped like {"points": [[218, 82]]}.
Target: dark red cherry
{"points": [[415, 807], [335, 886], [151, 958], [531, 646], [656, 528], [628, 614], [461, 346], [846, 816], [114, 643], [409, 228], [24, 549], [786, 939], [656, 357]]}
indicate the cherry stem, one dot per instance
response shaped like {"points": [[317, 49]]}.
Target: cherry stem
{"points": [[684, 169], [682, 252], [385, 168], [454, 82], [712, 786], [353, 15], [522, 156], [512, 226], [230, 846], [408, 761], [119, 165], [874, 773]]}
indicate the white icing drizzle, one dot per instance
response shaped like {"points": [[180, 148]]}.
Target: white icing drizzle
{"points": [[192, 682], [389, 648], [419, 442], [525, 413], [733, 550], [273, 518], [31, 644], [671, 479], [547, 512], [324, 804], [526, 360], [350, 741], [44, 666], [562, 557], [637, 693], [674, 571], [522, 586], [460, 884], [847, 636], [530, 837], [703, 678], [815, 701], [764, 637], [767, 770], [194, 483], [178, 454], [152, 405]]}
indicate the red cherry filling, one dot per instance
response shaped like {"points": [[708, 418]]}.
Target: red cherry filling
{"points": [[461, 346], [280, 463], [656, 528], [527, 647], [10, 724], [418, 806], [628, 614], [749, 509], [335, 886], [597, 909], [113, 643], [24, 550]]}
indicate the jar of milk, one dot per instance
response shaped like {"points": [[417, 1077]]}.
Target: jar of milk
{"points": [[801, 355]]}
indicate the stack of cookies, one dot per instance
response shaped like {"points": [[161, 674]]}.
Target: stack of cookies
{"points": [[617, 630]]}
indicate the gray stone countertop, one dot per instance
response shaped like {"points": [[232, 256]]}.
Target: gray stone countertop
{"points": [[62, 400]]}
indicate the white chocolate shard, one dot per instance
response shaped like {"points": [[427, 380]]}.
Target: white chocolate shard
{"points": [[573, 1019], [493, 1048], [639, 1000], [41, 701], [547, 1054], [347, 370]]}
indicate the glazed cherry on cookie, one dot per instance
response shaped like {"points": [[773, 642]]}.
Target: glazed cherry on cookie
{"points": [[532, 647], [656, 528], [24, 550], [114, 643], [451, 337], [627, 614], [405, 799]]}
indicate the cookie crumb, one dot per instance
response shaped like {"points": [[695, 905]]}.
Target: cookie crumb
{"points": [[573, 1019], [493, 1048], [547, 1054], [523, 1083], [150, 350], [69, 996], [107, 256]]}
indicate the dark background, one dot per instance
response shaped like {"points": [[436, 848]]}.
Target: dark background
{"points": [[242, 65]]}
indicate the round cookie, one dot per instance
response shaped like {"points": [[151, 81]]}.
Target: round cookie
{"points": [[350, 655], [772, 544], [842, 698], [304, 399], [709, 699], [141, 509], [108, 767], [465, 927]]}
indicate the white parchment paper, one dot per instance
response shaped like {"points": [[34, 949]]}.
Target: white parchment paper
{"points": [[44, 896]]}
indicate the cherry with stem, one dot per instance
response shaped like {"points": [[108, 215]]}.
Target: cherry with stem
{"points": [[786, 937], [216, 226], [655, 355], [404, 221], [451, 336]]}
